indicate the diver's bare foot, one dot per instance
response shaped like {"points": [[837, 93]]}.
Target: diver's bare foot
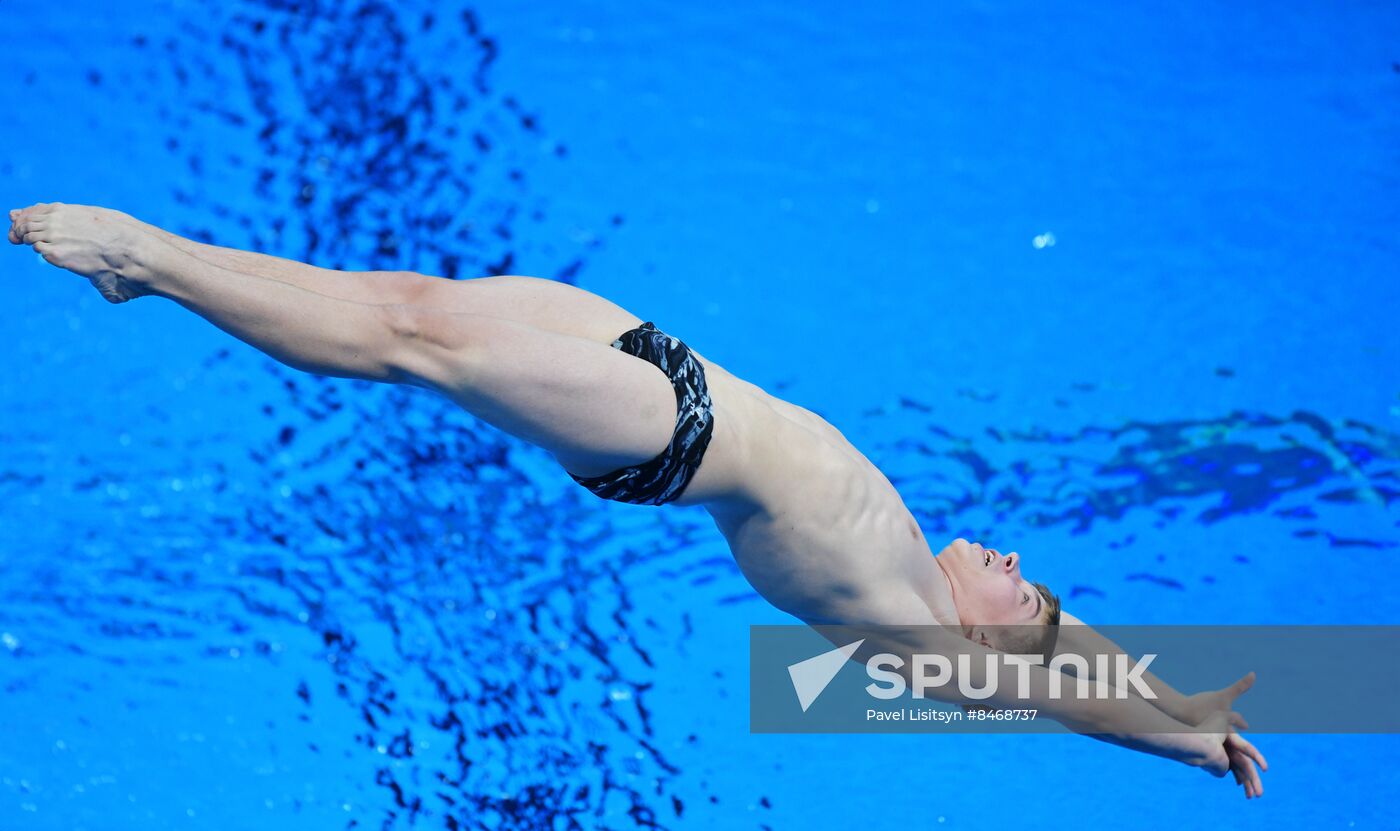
{"points": [[131, 221], [92, 242]]}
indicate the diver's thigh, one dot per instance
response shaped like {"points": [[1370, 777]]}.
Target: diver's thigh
{"points": [[595, 408], [533, 301]]}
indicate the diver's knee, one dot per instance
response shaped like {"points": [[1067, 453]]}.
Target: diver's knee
{"points": [[429, 345]]}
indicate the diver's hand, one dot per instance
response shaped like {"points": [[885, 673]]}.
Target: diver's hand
{"points": [[1211, 756], [1195, 709], [1243, 758], [1225, 751]]}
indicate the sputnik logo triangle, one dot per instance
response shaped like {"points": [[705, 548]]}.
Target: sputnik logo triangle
{"points": [[811, 676]]}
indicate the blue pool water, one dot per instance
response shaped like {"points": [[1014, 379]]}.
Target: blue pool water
{"points": [[1114, 288]]}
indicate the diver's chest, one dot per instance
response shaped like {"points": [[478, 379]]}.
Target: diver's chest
{"points": [[823, 543]]}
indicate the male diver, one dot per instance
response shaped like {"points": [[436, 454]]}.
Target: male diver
{"points": [[814, 526]]}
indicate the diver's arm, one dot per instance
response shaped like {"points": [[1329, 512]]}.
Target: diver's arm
{"points": [[1080, 638], [1129, 722]]}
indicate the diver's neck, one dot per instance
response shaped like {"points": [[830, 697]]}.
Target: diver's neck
{"points": [[936, 589]]}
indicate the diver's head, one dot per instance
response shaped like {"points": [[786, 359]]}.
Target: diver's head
{"points": [[996, 605]]}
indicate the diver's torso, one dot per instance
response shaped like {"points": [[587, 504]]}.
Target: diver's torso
{"points": [[818, 530]]}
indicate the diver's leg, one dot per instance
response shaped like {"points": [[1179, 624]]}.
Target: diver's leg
{"points": [[593, 407], [373, 287], [303, 329], [544, 304], [534, 301]]}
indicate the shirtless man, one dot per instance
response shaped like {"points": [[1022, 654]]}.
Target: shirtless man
{"points": [[814, 526]]}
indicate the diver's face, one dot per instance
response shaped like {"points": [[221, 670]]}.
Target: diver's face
{"points": [[988, 589]]}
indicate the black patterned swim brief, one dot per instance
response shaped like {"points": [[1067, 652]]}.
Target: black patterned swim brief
{"points": [[663, 478]]}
